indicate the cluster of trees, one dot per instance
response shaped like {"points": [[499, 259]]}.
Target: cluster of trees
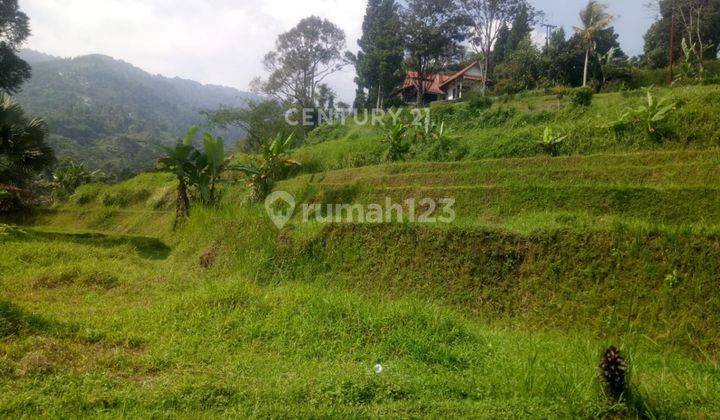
{"points": [[696, 22], [199, 171], [427, 36]]}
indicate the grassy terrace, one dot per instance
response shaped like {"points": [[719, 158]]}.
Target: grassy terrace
{"points": [[106, 311]]}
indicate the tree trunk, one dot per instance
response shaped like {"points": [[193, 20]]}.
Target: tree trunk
{"points": [[587, 62], [486, 71], [212, 191], [378, 103], [182, 205]]}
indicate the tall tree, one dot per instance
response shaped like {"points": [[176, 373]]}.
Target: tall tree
{"points": [[522, 26], [380, 58], [303, 57], [521, 70], [594, 19], [509, 39], [487, 18], [558, 59], [502, 45], [14, 29], [434, 31]]}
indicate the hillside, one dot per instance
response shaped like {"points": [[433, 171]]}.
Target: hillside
{"points": [[502, 313], [108, 112]]}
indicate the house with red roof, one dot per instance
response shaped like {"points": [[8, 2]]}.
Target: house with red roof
{"points": [[440, 87]]}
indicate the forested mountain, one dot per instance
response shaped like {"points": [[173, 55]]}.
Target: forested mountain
{"points": [[108, 112]]}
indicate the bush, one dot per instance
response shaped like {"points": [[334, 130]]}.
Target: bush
{"points": [[477, 102], [582, 96], [327, 132], [560, 92], [444, 111], [496, 117]]}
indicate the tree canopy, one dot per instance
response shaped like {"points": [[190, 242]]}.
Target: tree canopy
{"points": [[303, 57], [14, 30], [379, 61]]}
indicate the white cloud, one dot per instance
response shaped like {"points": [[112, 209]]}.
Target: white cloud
{"points": [[212, 41]]}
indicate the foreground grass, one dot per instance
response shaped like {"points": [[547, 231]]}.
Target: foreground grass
{"points": [[114, 324], [233, 347]]}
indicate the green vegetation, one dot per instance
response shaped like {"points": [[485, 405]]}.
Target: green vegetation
{"points": [[23, 154], [110, 114], [513, 125], [14, 30], [507, 312], [69, 176], [198, 170], [581, 96], [268, 168], [652, 114]]}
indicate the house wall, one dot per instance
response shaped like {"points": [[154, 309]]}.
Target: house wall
{"points": [[453, 90]]}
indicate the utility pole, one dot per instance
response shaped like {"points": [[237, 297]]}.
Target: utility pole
{"points": [[548, 31], [672, 44]]}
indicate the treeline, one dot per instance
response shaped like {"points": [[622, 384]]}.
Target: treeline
{"points": [[425, 37], [430, 36]]}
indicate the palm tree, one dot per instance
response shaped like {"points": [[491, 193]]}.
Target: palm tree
{"points": [[594, 19], [23, 151]]}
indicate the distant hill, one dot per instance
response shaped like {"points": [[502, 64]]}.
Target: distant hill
{"points": [[108, 112]]}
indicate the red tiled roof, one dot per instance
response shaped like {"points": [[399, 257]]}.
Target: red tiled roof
{"points": [[433, 83], [460, 73]]}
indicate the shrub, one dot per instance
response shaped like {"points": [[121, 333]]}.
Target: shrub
{"points": [[395, 138], [477, 102], [582, 96], [327, 132], [560, 92], [444, 111], [493, 118]]}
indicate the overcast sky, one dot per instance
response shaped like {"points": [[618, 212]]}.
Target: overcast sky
{"points": [[223, 41]]}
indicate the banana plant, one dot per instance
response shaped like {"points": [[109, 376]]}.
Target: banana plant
{"points": [[267, 168], [551, 142], [651, 114], [606, 61], [178, 161], [69, 176], [395, 137], [214, 161]]}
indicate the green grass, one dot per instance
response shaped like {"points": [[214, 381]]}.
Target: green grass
{"points": [[105, 311]]}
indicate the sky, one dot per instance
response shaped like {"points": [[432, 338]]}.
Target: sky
{"points": [[223, 41]]}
